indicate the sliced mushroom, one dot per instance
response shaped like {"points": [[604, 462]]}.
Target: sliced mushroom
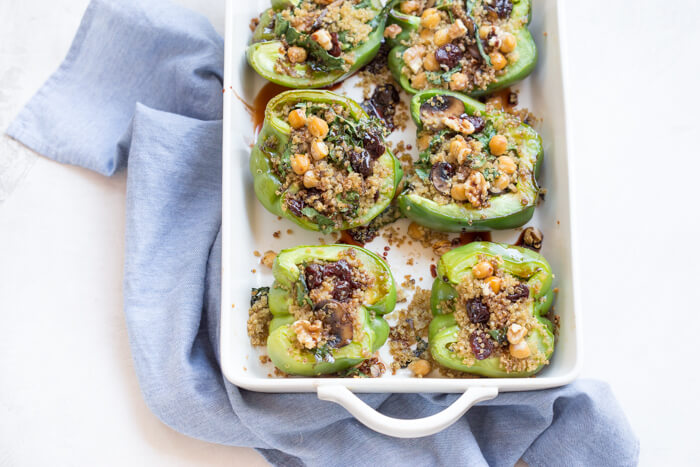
{"points": [[339, 321], [434, 110], [441, 176]]}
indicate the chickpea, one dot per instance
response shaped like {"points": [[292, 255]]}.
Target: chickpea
{"points": [[501, 183], [507, 165], [509, 43], [498, 61], [484, 32], [318, 127], [409, 7], [498, 145], [482, 270], [392, 31], [419, 368], [323, 37], [268, 258], [319, 149], [310, 179], [419, 81], [424, 141], [430, 63], [458, 82], [426, 35], [520, 350], [442, 37], [459, 191], [300, 163], [297, 118], [457, 29], [296, 54], [516, 333], [430, 18], [495, 283]]}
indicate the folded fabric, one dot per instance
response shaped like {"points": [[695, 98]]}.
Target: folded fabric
{"points": [[142, 82]]}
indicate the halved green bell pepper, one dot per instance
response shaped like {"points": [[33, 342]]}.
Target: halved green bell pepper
{"points": [[521, 262], [526, 49], [505, 211], [273, 139], [380, 300], [264, 51]]}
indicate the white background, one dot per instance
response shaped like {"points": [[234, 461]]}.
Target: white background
{"points": [[68, 392]]}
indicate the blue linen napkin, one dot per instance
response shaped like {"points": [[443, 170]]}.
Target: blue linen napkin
{"points": [[142, 82]]}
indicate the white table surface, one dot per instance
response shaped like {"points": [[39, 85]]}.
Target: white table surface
{"points": [[68, 392]]}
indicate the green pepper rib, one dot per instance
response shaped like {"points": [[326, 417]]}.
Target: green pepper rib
{"points": [[514, 72], [505, 211], [280, 343], [264, 51], [518, 261], [266, 183]]}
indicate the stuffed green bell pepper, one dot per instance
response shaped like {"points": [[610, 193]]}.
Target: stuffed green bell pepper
{"points": [[488, 302], [472, 46], [477, 168], [315, 43], [320, 161], [327, 304]]}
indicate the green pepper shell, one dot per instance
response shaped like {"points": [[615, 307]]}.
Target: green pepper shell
{"points": [[505, 211], [381, 300], [277, 130], [513, 72], [518, 261], [264, 51]]}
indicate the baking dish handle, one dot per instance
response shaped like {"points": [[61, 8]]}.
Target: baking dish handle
{"points": [[399, 427]]}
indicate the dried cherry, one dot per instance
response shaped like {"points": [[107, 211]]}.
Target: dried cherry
{"points": [[481, 345], [477, 311]]}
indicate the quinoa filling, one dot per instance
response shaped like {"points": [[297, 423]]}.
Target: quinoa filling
{"points": [[322, 33], [460, 45], [329, 169], [494, 313], [466, 159], [329, 296]]}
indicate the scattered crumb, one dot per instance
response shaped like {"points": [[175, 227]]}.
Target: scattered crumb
{"points": [[276, 234], [256, 253], [290, 231], [268, 259]]}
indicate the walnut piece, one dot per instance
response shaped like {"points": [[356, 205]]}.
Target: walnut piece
{"points": [[308, 334]]}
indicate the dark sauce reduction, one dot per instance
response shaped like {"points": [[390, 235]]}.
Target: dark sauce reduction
{"points": [[257, 110], [346, 238], [468, 237]]}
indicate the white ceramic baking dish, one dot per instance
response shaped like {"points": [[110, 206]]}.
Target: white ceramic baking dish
{"points": [[248, 227]]}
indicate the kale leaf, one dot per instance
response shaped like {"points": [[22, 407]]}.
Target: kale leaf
{"points": [[323, 354], [325, 224]]}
